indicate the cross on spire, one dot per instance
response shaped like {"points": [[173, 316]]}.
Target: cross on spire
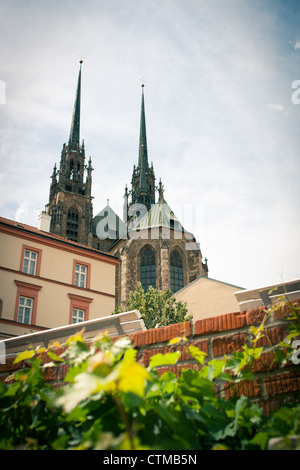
{"points": [[81, 58]]}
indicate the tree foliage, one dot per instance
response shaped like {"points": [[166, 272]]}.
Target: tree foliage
{"points": [[111, 402], [157, 308]]}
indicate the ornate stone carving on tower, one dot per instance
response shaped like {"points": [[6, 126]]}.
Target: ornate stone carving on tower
{"points": [[70, 200]]}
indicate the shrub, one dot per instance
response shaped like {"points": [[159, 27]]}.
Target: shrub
{"points": [[157, 308], [110, 401]]}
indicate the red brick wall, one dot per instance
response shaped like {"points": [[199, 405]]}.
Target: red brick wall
{"points": [[223, 335], [215, 336]]}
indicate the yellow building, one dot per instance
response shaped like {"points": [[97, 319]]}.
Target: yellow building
{"points": [[47, 281], [208, 297]]}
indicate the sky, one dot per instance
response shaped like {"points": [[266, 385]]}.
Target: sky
{"points": [[222, 93]]}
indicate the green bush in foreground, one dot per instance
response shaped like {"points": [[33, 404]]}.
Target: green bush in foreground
{"points": [[112, 402]]}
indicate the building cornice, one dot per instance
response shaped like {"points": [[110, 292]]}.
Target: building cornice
{"points": [[46, 238]]}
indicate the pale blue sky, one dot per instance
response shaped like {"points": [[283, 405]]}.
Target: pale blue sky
{"points": [[223, 132]]}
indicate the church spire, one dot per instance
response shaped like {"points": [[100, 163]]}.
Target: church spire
{"points": [[75, 126], [143, 179], [143, 151], [70, 201]]}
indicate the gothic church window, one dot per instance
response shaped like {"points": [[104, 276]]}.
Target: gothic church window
{"points": [[72, 224], [176, 271], [71, 170], [148, 269]]}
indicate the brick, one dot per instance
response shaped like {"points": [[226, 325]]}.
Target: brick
{"points": [[221, 323], [272, 336], [148, 353], [248, 388], [173, 369], [201, 344], [182, 347], [62, 371], [269, 406], [282, 311], [283, 383], [264, 363], [228, 344], [160, 335], [255, 316], [9, 366], [178, 368], [133, 338], [50, 374]]}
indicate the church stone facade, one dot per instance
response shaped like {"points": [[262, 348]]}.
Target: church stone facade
{"points": [[150, 242], [70, 199]]}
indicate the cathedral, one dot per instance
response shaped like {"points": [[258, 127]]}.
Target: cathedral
{"points": [[152, 245]]}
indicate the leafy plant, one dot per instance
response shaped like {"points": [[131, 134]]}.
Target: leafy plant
{"points": [[158, 308], [110, 401]]}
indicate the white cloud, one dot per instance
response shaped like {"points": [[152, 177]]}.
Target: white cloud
{"points": [[278, 107], [297, 45], [25, 213]]}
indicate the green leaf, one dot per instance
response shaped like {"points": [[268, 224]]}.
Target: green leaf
{"points": [[164, 359], [247, 375], [282, 344], [217, 366], [54, 356], [197, 354], [23, 356], [253, 353], [279, 355], [193, 385]]}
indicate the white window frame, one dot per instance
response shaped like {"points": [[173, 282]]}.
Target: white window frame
{"points": [[25, 308], [78, 315], [80, 275], [30, 262]]}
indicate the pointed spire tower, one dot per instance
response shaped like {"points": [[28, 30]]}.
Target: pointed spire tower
{"points": [[74, 139], [70, 201], [143, 179]]}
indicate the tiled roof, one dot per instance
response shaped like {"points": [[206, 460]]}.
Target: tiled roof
{"points": [[29, 228], [160, 215]]}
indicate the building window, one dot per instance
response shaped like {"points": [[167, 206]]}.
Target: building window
{"points": [[30, 260], [25, 310], [79, 308], [78, 315], [81, 274], [72, 224], [148, 269], [176, 271], [26, 303]]}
